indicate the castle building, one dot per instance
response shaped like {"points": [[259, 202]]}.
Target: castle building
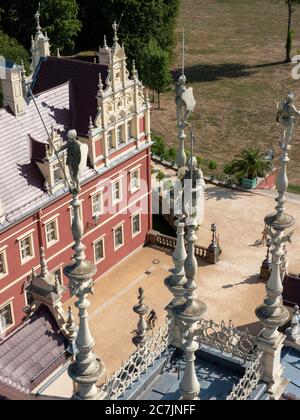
{"points": [[111, 115]]}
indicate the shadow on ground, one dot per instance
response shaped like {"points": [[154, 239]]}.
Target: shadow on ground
{"points": [[252, 280], [214, 72], [222, 194]]}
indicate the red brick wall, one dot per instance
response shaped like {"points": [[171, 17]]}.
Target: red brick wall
{"points": [[60, 253]]}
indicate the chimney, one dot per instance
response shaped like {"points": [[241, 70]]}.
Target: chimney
{"points": [[12, 89]]}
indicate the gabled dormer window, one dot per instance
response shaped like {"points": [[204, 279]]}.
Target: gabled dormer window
{"points": [[57, 173]]}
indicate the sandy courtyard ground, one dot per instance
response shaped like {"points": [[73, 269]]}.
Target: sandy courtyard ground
{"points": [[231, 289]]}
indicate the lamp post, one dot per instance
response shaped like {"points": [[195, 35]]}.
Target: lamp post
{"points": [[141, 309]]}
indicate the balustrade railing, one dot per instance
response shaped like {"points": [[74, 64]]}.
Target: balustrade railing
{"points": [[159, 240], [137, 364], [226, 339], [248, 384]]}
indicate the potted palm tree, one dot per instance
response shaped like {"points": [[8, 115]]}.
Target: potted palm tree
{"points": [[250, 164]]}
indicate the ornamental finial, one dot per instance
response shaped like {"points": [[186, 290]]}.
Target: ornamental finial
{"points": [[115, 27], [37, 18], [105, 43]]}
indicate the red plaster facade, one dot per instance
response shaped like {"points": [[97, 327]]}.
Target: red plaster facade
{"points": [[12, 286]]}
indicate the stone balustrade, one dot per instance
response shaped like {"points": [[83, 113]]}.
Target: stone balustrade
{"points": [[157, 239]]}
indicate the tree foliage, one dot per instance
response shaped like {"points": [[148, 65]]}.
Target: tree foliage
{"points": [[155, 68], [11, 50], [58, 17], [141, 20]]}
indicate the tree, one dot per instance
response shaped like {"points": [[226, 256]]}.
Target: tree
{"points": [[289, 41], [11, 50], [155, 68], [249, 164], [58, 17], [141, 20], [159, 146]]}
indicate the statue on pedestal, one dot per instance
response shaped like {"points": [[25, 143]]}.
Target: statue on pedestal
{"points": [[185, 102], [286, 113]]}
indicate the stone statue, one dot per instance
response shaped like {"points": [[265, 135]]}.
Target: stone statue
{"points": [[191, 189], [73, 147], [286, 113], [185, 102]]}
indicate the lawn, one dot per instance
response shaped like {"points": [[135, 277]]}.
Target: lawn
{"points": [[234, 55]]}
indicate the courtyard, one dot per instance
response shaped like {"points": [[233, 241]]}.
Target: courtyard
{"points": [[231, 289]]}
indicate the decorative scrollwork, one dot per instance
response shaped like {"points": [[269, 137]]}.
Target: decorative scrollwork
{"points": [[137, 364], [243, 390], [227, 339]]}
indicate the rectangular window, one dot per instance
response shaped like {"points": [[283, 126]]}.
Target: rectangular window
{"points": [[57, 173], [6, 318], [136, 224], [97, 204], [119, 237], [51, 232], [129, 130], [135, 180], [3, 264], [116, 192], [120, 137], [99, 250], [26, 248], [110, 140]]}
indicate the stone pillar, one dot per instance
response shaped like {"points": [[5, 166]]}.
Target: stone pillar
{"points": [[272, 314], [181, 155], [175, 283], [141, 309], [213, 252], [190, 313], [87, 369]]}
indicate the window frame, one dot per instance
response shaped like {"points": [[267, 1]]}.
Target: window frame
{"points": [[58, 166], [52, 242], [6, 271], [101, 239], [134, 234], [132, 172], [93, 196], [120, 129], [3, 306], [117, 181], [31, 244], [117, 247]]}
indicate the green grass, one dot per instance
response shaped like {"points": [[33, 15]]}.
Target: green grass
{"points": [[234, 55], [294, 189]]}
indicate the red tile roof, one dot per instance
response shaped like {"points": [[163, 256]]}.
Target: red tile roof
{"points": [[84, 79], [29, 355]]}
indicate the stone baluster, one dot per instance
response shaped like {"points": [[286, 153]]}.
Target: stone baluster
{"points": [[175, 283], [141, 309], [87, 369], [190, 313]]}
